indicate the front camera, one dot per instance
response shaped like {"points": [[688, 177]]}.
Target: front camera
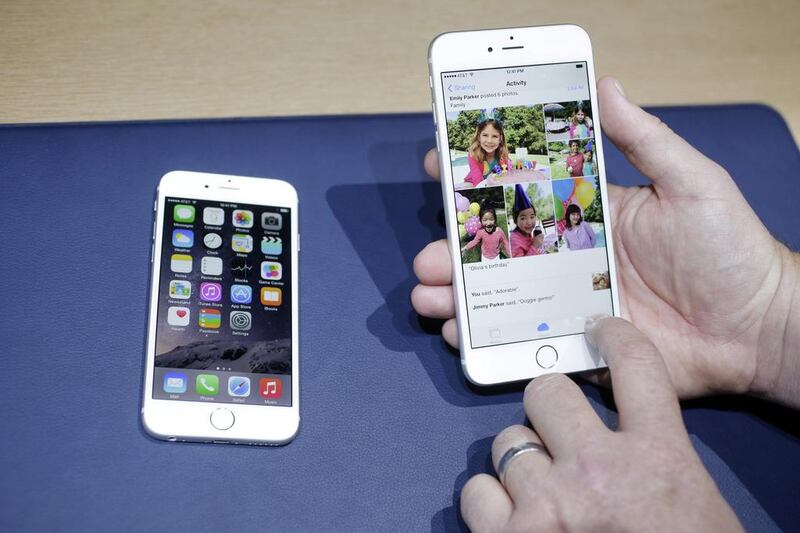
{"points": [[490, 48]]}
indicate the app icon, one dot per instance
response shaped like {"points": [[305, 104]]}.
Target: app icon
{"points": [[240, 267], [211, 266], [271, 245], [207, 385], [210, 292], [271, 296], [178, 316], [242, 218], [242, 243], [181, 263], [175, 383], [241, 320], [182, 238], [180, 290], [239, 386], [183, 213], [241, 294], [210, 318], [213, 216], [271, 221], [271, 388], [212, 241], [271, 270]]}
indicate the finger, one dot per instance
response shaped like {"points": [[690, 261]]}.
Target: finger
{"points": [[433, 265], [485, 504], [432, 163], [672, 164], [642, 389], [433, 302], [450, 332], [525, 470], [561, 415]]}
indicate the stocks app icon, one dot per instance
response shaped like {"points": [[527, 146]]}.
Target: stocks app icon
{"points": [[240, 267]]}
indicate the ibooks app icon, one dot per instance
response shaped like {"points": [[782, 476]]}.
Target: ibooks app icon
{"points": [[271, 296]]}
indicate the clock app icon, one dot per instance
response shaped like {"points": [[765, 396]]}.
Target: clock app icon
{"points": [[212, 241]]}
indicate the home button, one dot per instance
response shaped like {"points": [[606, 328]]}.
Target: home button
{"points": [[546, 357], [222, 419]]}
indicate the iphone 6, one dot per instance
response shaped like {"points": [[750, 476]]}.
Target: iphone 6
{"points": [[525, 199], [222, 341]]}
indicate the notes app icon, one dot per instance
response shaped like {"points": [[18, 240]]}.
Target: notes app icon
{"points": [[181, 263]]}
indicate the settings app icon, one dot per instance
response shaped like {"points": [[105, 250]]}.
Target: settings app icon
{"points": [[241, 320]]}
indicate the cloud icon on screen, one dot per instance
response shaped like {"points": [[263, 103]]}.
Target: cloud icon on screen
{"points": [[543, 327]]}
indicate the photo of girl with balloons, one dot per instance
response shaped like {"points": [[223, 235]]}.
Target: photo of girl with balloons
{"points": [[482, 225], [532, 226], [579, 214]]}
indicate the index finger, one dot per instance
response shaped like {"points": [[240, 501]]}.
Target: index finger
{"points": [[432, 164], [640, 382]]}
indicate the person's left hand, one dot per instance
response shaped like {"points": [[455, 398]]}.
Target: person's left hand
{"points": [[643, 477]]}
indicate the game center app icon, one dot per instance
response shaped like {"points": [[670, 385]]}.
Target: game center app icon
{"points": [[180, 290], [239, 386], [213, 216], [270, 388], [175, 383], [271, 296], [242, 243], [178, 316], [182, 238], [271, 245], [183, 213], [241, 294], [210, 318], [271, 270], [242, 218], [211, 266]]}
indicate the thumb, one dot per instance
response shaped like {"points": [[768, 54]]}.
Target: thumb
{"points": [[673, 165]]}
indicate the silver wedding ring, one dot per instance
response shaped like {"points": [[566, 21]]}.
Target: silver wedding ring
{"points": [[513, 453]]}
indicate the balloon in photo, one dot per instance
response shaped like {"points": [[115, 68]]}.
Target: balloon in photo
{"points": [[563, 189], [472, 225], [462, 203], [584, 193]]}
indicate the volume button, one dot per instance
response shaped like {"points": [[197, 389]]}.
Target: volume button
{"points": [[438, 150], [433, 110], [152, 250]]}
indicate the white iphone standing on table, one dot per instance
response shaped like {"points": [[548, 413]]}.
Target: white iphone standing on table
{"points": [[525, 199], [222, 341]]}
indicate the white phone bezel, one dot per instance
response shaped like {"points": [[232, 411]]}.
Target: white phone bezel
{"points": [[469, 50], [190, 420]]}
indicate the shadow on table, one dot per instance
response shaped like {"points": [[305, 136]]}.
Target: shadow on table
{"points": [[401, 218]]}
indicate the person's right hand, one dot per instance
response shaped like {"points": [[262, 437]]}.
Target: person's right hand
{"points": [[697, 270]]}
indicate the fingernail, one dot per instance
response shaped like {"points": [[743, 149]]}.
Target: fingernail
{"points": [[618, 85], [590, 326]]}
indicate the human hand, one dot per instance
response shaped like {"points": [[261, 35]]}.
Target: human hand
{"points": [[717, 305], [643, 477]]}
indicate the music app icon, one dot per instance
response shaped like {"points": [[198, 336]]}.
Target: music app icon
{"points": [[210, 292], [270, 388]]}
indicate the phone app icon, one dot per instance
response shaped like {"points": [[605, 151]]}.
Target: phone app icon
{"points": [[213, 216], [178, 316], [182, 238], [183, 213], [271, 270], [175, 383], [240, 267], [271, 221], [242, 243], [242, 218], [271, 296], [241, 320], [210, 318], [210, 292], [271, 245], [181, 263], [239, 386], [207, 385], [211, 266], [180, 290], [241, 294], [212, 241], [270, 388]]}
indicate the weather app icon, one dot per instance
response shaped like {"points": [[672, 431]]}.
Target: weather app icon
{"points": [[182, 238]]}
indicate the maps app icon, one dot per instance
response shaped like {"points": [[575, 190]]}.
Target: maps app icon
{"points": [[271, 245]]}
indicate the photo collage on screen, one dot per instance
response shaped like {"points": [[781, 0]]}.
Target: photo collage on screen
{"points": [[526, 181]]}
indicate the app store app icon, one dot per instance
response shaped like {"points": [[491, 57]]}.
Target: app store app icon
{"points": [[241, 294]]}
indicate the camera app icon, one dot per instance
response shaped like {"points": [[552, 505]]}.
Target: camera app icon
{"points": [[271, 221]]}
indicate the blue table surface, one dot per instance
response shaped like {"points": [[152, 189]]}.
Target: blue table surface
{"points": [[390, 428]]}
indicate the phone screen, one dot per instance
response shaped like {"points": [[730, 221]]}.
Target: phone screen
{"points": [[224, 323], [528, 201]]}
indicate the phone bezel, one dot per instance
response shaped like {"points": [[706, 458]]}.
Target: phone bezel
{"points": [[188, 420], [469, 50]]}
